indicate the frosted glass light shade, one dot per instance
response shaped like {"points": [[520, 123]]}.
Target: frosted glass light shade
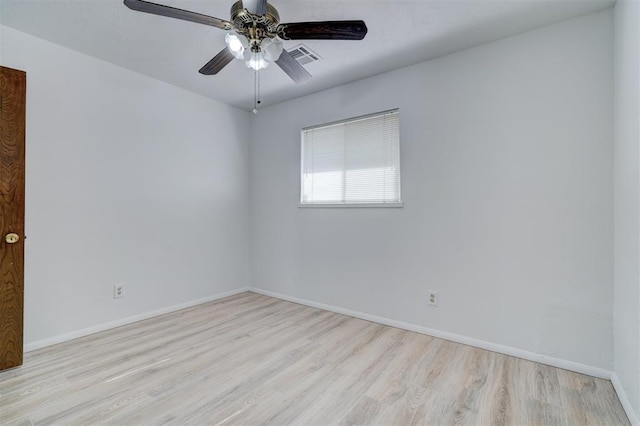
{"points": [[257, 61], [272, 48], [236, 44]]}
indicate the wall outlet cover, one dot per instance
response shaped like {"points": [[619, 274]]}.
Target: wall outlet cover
{"points": [[118, 291], [433, 298]]}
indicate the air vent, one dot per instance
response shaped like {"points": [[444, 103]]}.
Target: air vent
{"points": [[303, 54]]}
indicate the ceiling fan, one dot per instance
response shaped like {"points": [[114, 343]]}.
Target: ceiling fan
{"points": [[255, 34]]}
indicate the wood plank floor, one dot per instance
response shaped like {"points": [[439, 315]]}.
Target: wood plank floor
{"points": [[252, 359]]}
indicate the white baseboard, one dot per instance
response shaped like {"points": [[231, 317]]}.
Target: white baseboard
{"points": [[494, 347], [482, 344], [624, 400], [128, 320]]}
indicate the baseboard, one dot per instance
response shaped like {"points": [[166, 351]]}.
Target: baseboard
{"points": [[624, 400], [128, 320], [494, 347]]}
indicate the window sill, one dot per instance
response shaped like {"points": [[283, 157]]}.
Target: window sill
{"points": [[352, 205]]}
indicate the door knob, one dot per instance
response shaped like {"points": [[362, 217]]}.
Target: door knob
{"points": [[11, 238]]}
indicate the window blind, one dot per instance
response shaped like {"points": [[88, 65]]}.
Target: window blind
{"points": [[355, 161]]}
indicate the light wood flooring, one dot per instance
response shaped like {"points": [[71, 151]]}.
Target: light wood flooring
{"points": [[252, 359]]}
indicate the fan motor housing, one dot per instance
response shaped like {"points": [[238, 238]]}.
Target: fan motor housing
{"points": [[243, 20]]}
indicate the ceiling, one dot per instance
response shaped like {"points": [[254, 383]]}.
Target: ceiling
{"points": [[401, 32]]}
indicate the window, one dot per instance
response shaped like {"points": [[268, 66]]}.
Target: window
{"points": [[355, 162]]}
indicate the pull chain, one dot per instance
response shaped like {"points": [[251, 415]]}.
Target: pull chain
{"points": [[256, 91]]}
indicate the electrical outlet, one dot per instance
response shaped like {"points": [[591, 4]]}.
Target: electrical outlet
{"points": [[118, 291], [433, 298]]}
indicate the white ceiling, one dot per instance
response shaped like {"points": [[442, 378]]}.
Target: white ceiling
{"points": [[401, 32]]}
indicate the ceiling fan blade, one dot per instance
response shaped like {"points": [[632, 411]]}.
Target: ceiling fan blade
{"points": [[327, 30], [172, 12], [293, 69], [218, 62]]}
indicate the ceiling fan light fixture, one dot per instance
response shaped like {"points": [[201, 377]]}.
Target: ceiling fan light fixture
{"points": [[257, 61], [272, 48], [254, 23], [236, 44]]}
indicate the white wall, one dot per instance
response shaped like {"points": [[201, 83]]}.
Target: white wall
{"points": [[507, 174], [128, 180], [626, 305]]}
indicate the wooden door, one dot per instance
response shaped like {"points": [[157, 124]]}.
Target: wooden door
{"points": [[12, 134]]}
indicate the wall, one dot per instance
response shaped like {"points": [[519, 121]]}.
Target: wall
{"points": [[626, 304], [506, 159], [129, 180]]}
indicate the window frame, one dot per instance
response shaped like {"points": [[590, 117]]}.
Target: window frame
{"points": [[393, 204]]}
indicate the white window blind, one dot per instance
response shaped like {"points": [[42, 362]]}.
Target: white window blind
{"points": [[352, 162]]}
